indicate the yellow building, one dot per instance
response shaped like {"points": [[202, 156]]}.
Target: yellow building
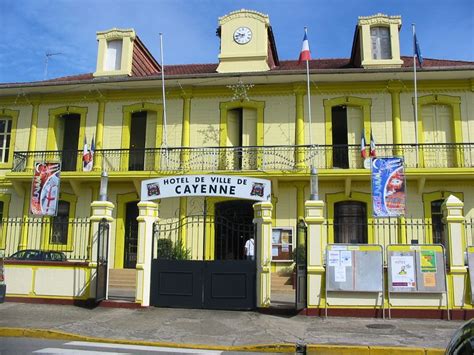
{"points": [[247, 117]]}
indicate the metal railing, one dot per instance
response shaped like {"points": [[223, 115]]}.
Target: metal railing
{"points": [[71, 237], [469, 231], [256, 158]]}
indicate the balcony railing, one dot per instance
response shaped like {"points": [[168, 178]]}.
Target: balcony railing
{"points": [[263, 158]]}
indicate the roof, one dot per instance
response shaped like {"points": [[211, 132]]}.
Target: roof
{"points": [[151, 68]]}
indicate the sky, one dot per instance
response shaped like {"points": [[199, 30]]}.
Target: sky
{"points": [[32, 28]]}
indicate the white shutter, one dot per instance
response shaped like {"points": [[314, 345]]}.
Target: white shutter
{"points": [[113, 55], [233, 128], [249, 129], [443, 124], [429, 124]]}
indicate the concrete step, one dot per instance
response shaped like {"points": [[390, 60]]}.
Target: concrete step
{"points": [[122, 278]]}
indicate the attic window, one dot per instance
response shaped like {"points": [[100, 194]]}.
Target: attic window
{"points": [[381, 46], [113, 57]]}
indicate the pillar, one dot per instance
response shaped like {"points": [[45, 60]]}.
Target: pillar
{"points": [[316, 247], [263, 221], [99, 136], [186, 132], [147, 216], [299, 130], [455, 245], [395, 88], [100, 210], [32, 138]]}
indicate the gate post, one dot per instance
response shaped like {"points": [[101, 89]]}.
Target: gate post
{"points": [[316, 246], [455, 246], [263, 221], [100, 210], [148, 214]]}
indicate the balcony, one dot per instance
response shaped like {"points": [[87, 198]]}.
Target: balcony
{"points": [[263, 158]]}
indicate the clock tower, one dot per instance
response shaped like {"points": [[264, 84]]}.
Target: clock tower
{"points": [[247, 43]]}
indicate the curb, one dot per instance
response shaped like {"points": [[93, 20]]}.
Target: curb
{"points": [[320, 349], [56, 334]]}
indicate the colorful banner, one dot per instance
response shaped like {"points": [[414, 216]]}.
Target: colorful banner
{"points": [[206, 185], [388, 187], [45, 189]]}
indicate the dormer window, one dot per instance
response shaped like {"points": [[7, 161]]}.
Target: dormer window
{"points": [[381, 46], [113, 57]]}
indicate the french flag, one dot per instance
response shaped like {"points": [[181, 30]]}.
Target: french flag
{"points": [[305, 54], [372, 145], [363, 151]]}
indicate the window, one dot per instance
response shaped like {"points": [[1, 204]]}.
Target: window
{"points": [[437, 226], [5, 139], [60, 224], [381, 46], [113, 56], [350, 222], [282, 243]]}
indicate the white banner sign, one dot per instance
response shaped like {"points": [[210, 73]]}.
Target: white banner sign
{"points": [[206, 185]]}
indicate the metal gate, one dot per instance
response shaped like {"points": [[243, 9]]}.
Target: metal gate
{"points": [[301, 266], [199, 262], [102, 249]]}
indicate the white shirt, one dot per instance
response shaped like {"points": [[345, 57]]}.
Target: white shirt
{"points": [[250, 247]]}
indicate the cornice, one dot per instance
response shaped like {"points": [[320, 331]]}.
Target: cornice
{"points": [[243, 13], [380, 19]]}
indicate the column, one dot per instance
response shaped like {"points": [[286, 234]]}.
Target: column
{"points": [[99, 136], [454, 232], [300, 200], [395, 88], [100, 210], [32, 138], [147, 216], [263, 221], [299, 130], [316, 246], [186, 132]]}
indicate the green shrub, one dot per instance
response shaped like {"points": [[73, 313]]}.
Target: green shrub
{"points": [[172, 251]]}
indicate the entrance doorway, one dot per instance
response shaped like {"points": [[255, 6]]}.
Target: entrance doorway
{"points": [[131, 235], [69, 125], [233, 227]]}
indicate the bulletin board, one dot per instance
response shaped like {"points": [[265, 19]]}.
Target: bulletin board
{"points": [[470, 263], [416, 269], [354, 268]]}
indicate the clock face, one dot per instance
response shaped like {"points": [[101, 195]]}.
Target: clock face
{"points": [[242, 35]]}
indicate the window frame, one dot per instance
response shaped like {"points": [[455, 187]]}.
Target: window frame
{"points": [[13, 116], [379, 48]]}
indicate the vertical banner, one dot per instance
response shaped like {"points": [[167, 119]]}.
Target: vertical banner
{"points": [[45, 189], [388, 187]]}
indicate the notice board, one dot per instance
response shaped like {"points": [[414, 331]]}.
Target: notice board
{"points": [[354, 268], [416, 269]]}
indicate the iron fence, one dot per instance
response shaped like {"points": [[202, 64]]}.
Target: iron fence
{"points": [[70, 237], [469, 231], [265, 158], [383, 231]]}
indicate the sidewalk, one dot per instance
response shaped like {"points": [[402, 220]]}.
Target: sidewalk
{"points": [[185, 327]]}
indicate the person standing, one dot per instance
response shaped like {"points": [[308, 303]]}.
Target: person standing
{"points": [[250, 249]]}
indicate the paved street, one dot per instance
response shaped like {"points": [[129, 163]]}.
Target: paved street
{"points": [[225, 328]]}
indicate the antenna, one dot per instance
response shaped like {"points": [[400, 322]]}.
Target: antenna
{"points": [[46, 61]]}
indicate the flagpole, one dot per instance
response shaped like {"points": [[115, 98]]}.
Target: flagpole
{"points": [[165, 130], [309, 97], [416, 94]]}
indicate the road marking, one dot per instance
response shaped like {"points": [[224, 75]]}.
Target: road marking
{"points": [[143, 348], [73, 351]]}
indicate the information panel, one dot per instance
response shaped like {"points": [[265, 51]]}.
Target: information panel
{"points": [[470, 263], [416, 269], [354, 268]]}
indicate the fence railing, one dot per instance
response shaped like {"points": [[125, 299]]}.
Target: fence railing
{"points": [[469, 231], [70, 237], [265, 158], [383, 231]]}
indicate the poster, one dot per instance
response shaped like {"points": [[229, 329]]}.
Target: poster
{"points": [[274, 251], [403, 271], [333, 258], [388, 187], [428, 261], [346, 258], [276, 236], [45, 189], [340, 273], [429, 279]]}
